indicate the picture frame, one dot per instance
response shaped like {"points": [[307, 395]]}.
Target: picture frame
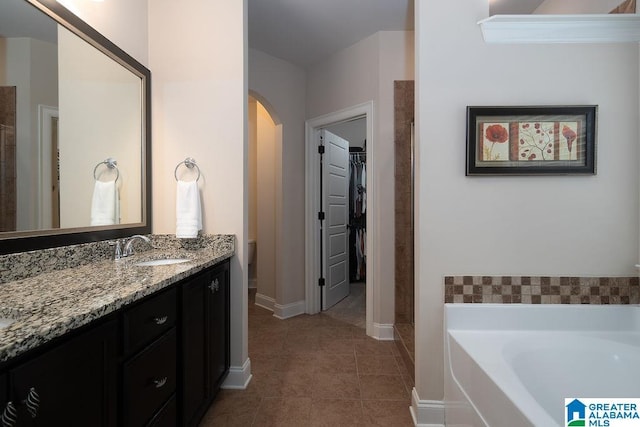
{"points": [[531, 140]]}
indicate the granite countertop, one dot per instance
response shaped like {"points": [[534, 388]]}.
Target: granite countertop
{"points": [[53, 303]]}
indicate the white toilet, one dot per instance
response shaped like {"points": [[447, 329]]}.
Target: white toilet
{"points": [[252, 251], [250, 260]]}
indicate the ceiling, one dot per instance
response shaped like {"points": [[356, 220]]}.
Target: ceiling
{"points": [[304, 32], [21, 19]]}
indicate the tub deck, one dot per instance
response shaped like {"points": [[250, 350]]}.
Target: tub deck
{"points": [[509, 365]]}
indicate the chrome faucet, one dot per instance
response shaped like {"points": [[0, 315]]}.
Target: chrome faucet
{"points": [[128, 246]]}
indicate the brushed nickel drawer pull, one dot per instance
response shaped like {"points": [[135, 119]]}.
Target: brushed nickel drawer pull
{"points": [[9, 416], [160, 383], [214, 286], [33, 402], [160, 320]]}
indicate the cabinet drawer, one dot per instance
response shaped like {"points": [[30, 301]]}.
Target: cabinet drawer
{"points": [[149, 380], [148, 320], [166, 417]]}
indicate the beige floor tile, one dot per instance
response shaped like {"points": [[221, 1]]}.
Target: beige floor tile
{"points": [[370, 346], [336, 413], [232, 411], [387, 413], [337, 345], [266, 347], [297, 361], [261, 363], [336, 363], [336, 386], [283, 413], [315, 371], [335, 331], [375, 364], [301, 344], [383, 387]]}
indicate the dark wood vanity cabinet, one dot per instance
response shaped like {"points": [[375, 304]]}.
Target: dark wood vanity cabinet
{"points": [[205, 340], [158, 362], [71, 384], [149, 369]]}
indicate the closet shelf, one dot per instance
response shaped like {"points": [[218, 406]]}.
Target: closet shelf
{"points": [[609, 28]]}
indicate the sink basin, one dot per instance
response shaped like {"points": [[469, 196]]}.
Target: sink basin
{"points": [[5, 322], [165, 261]]}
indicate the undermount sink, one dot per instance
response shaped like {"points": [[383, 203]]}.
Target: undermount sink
{"points": [[5, 322], [165, 261]]}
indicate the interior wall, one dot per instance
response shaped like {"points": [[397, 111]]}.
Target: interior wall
{"points": [[542, 225], [253, 166], [266, 205], [280, 87], [200, 111], [363, 72], [354, 131], [252, 173], [576, 7]]}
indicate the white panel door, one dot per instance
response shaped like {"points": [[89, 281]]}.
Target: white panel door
{"points": [[335, 186]]}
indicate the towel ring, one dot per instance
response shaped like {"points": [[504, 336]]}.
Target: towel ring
{"points": [[111, 163], [190, 163]]}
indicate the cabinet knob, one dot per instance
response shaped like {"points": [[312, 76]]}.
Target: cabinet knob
{"points": [[32, 402], [9, 415], [214, 286], [160, 320], [160, 383]]}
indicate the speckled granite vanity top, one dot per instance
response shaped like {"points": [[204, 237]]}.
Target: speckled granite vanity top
{"points": [[53, 303]]}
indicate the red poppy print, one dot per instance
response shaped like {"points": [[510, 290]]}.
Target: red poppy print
{"points": [[495, 142]]}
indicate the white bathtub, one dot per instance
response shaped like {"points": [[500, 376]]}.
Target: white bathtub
{"points": [[514, 364]]}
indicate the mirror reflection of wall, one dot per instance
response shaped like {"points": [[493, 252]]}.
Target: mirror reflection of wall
{"points": [[100, 107], [74, 107]]}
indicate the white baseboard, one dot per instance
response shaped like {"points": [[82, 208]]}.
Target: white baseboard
{"points": [[238, 377], [383, 331], [265, 302], [253, 283], [289, 310], [426, 413]]}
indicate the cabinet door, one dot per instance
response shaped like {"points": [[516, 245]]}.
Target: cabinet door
{"points": [[219, 327], [73, 384], [193, 347]]}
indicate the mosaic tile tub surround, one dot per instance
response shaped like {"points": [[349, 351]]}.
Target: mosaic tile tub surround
{"points": [[541, 290]]}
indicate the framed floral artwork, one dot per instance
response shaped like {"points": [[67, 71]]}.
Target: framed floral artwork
{"points": [[531, 140]]}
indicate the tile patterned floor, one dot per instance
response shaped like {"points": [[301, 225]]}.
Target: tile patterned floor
{"points": [[316, 371], [353, 308]]}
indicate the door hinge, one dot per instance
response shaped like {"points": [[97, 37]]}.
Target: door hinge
{"points": [[321, 149], [321, 281], [321, 216]]}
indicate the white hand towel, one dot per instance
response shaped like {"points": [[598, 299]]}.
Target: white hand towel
{"points": [[105, 209], [188, 211]]}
